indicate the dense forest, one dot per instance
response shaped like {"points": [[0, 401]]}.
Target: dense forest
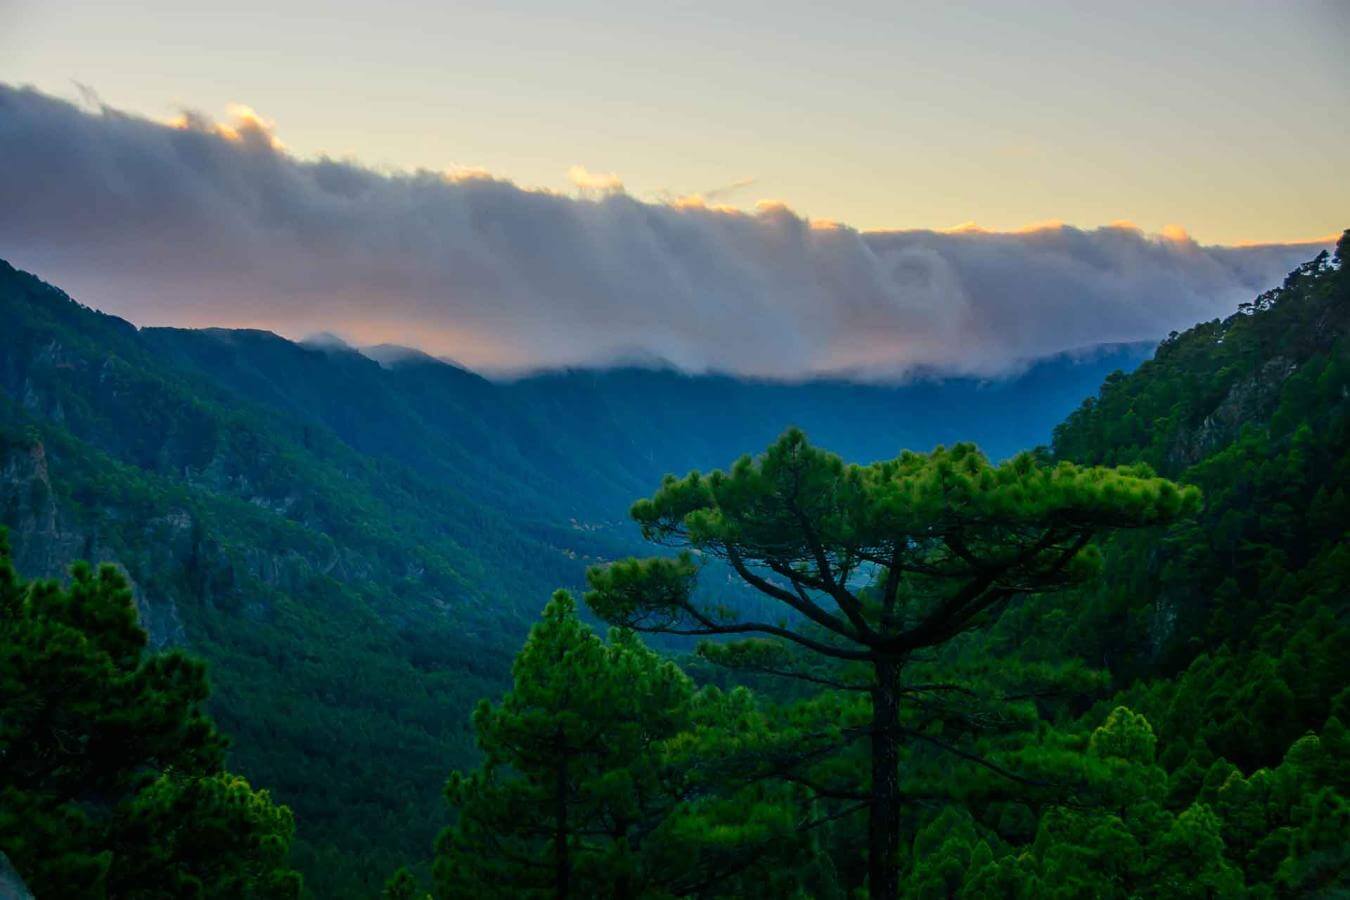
{"points": [[1112, 666], [357, 548]]}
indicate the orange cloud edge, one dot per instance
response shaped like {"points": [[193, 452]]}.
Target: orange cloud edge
{"points": [[244, 125]]}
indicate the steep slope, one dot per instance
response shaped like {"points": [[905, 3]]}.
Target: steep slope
{"points": [[436, 418], [1246, 610], [661, 420], [357, 548], [582, 444], [351, 610]]}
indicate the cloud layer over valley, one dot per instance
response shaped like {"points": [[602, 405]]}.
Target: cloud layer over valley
{"points": [[200, 223]]}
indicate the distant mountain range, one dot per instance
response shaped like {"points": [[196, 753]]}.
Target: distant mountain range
{"points": [[583, 443], [356, 541]]}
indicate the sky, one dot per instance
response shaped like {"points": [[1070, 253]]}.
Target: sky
{"points": [[771, 191], [1226, 118]]}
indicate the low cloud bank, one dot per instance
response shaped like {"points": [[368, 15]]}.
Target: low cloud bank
{"points": [[195, 222]]}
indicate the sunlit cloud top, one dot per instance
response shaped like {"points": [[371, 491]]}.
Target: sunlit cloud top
{"points": [[1225, 117], [242, 125], [199, 222], [595, 182]]}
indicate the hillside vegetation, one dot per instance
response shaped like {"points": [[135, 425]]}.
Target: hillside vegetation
{"points": [[1044, 678], [355, 549], [1111, 666]]}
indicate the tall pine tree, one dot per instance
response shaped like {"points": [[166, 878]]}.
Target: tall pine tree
{"points": [[948, 539]]}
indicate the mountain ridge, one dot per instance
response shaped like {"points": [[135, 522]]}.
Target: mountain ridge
{"points": [[331, 534]]}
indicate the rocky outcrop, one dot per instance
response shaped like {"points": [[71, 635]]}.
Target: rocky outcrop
{"points": [[44, 544], [39, 543], [1251, 399]]}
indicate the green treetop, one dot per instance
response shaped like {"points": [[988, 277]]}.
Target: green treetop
{"points": [[110, 771], [596, 781], [873, 564], [567, 792]]}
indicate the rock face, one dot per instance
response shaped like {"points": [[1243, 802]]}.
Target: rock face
{"points": [[11, 885], [1252, 399], [41, 548], [43, 543]]}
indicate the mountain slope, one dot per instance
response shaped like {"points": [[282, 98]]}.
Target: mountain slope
{"points": [[357, 549], [1246, 610], [584, 443], [316, 581]]}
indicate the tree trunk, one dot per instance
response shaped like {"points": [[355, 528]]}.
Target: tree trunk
{"points": [[562, 876], [883, 826], [623, 882]]}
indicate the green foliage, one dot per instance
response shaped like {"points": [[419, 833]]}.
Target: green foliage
{"points": [[344, 542], [1253, 410], [948, 539], [1280, 832], [1229, 634], [1225, 635], [402, 885], [211, 836], [938, 524], [1124, 735], [590, 783], [566, 791], [112, 782], [1171, 728], [314, 579]]}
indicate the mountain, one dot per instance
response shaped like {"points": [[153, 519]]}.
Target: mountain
{"points": [[350, 610], [586, 442], [1229, 632], [676, 422], [1174, 727], [356, 547]]}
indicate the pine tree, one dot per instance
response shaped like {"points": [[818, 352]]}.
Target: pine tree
{"points": [[112, 781], [600, 780], [570, 786], [402, 885], [948, 539]]}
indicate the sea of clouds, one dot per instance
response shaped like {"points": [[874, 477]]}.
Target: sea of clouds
{"points": [[195, 222]]}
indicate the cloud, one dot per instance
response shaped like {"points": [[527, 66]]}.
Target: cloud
{"points": [[243, 126], [705, 199], [595, 182], [202, 223], [457, 173], [1176, 233]]}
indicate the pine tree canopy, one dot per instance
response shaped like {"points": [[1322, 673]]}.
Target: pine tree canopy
{"points": [[954, 535], [872, 564], [112, 782]]}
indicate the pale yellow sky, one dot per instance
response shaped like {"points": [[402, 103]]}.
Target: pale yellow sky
{"points": [[1228, 119]]}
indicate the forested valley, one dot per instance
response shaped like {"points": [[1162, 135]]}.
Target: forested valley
{"points": [[363, 627]]}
